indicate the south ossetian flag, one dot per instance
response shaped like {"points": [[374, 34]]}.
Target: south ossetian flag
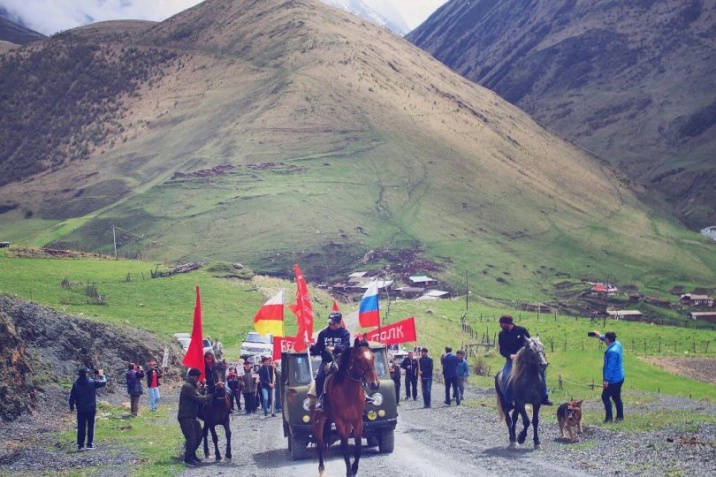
{"points": [[368, 312], [269, 318]]}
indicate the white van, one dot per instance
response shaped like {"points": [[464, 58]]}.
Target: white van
{"points": [[257, 345]]}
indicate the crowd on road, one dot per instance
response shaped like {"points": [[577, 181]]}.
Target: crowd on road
{"points": [[253, 380]]}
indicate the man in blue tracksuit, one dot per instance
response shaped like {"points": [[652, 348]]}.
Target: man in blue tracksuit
{"points": [[612, 375], [83, 396], [331, 341]]}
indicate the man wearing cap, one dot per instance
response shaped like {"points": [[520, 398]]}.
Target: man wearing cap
{"points": [[331, 341], [511, 339], [84, 396], [153, 375], [248, 387], [189, 400]]}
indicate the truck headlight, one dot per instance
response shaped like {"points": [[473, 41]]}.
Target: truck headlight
{"points": [[377, 399], [307, 404]]}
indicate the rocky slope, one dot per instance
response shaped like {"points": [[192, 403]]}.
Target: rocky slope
{"points": [[44, 348]]}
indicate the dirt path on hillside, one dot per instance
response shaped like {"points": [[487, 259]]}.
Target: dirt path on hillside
{"points": [[702, 369]]}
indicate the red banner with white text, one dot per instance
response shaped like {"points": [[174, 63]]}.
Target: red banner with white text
{"points": [[399, 332]]}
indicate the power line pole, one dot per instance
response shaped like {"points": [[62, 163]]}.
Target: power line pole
{"points": [[114, 237]]}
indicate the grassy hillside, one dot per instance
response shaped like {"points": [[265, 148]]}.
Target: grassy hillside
{"points": [[165, 306], [272, 133]]}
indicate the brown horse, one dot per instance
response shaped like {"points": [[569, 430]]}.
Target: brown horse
{"points": [[216, 413], [344, 404]]}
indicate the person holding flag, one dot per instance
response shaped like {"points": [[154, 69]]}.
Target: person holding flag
{"points": [[331, 342]]}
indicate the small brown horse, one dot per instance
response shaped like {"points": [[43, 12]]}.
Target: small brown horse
{"points": [[217, 413], [344, 404]]}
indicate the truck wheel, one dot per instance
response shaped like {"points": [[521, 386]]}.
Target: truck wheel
{"points": [[297, 446], [387, 442]]}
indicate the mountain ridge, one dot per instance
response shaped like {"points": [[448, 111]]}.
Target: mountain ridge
{"points": [[632, 83], [278, 132]]}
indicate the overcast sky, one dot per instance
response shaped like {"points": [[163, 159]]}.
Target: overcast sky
{"points": [[51, 16]]}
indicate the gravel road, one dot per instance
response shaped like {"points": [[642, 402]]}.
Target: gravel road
{"points": [[441, 441], [470, 440]]}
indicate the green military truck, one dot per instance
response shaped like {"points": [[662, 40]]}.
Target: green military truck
{"points": [[380, 418]]}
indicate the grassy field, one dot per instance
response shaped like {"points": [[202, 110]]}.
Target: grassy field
{"points": [[165, 306]]}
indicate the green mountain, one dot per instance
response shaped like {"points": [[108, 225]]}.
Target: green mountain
{"points": [[271, 133]]}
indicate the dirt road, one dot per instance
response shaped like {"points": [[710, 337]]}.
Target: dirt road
{"points": [[427, 444]]}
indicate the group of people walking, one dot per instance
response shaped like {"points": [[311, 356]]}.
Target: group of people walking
{"points": [[455, 371]]}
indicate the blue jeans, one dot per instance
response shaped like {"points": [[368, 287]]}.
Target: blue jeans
{"points": [[427, 384], [153, 398], [613, 391], [506, 371], [266, 400]]}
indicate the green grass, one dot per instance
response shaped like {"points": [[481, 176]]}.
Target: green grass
{"points": [[149, 443], [165, 306]]}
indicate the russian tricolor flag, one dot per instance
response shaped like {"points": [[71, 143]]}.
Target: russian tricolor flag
{"points": [[368, 313]]}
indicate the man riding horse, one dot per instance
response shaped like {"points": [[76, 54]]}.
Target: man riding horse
{"points": [[331, 342], [511, 339]]}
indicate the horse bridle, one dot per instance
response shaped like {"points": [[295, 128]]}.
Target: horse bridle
{"points": [[361, 378]]}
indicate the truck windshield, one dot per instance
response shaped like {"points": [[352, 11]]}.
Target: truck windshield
{"points": [[257, 338], [299, 369]]}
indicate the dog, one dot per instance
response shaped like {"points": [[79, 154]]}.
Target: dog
{"points": [[569, 415]]}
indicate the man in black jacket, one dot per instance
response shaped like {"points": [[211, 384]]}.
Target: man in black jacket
{"points": [[425, 364], [410, 365], [331, 341], [84, 396], [511, 339]]}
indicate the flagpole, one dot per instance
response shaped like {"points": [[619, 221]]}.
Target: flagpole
{"points": [[308, 354]]}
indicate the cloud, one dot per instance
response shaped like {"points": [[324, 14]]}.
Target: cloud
{"points": [[51, 16]]}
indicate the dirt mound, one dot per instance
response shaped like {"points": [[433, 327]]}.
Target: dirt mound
{"points": [[44, 348]]}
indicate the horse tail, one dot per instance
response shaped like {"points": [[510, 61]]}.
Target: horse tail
{"points": [[498, 394], [500, 410]]}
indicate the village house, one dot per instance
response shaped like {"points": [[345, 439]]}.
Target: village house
{"points": [[708, 316], [690, 299], [421, 281], [629, 315]]}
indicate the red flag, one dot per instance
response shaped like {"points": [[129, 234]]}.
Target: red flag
{"points": [[336, 310], [269, 318], [399, 332], [303, 311], [194, 357]]}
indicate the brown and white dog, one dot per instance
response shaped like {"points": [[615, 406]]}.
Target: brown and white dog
{"points": [[569, 415]]}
